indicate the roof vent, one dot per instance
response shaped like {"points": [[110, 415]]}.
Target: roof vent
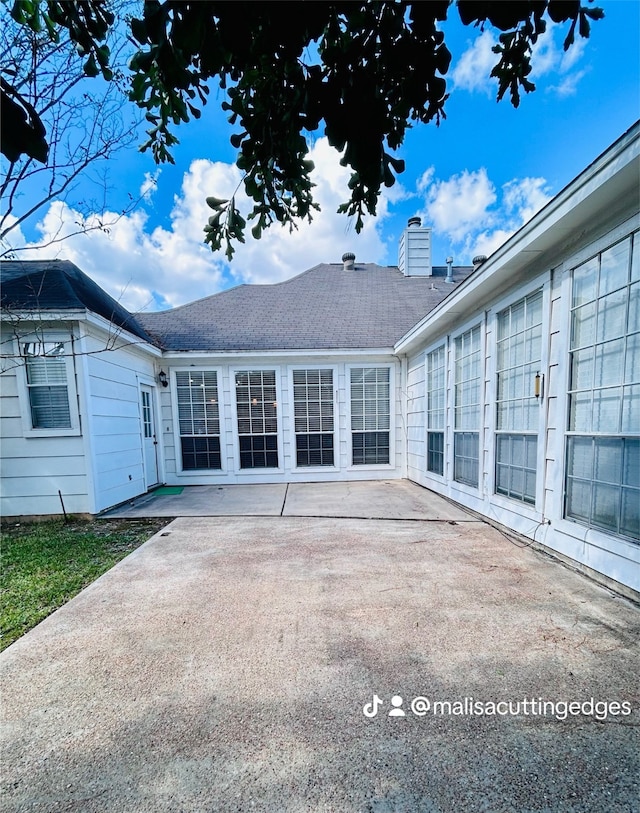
{"points": [[478, 260], [449, 277], [414, 222], [348, 261]]}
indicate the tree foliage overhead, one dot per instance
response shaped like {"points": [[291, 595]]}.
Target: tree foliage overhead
{"points": [[359, 72]]}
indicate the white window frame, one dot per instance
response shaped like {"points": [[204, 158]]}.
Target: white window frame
{"points": [[292, 419], [597, 534], [201, 368], [554, 510], [480, 322], [256, 472], [540, 284], [23, 387], [391, 465], [443, 342]]}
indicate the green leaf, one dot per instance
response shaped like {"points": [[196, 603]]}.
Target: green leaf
{"points": [[216, 203], [90, 67]]}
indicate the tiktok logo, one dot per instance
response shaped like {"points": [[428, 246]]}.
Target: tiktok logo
{"points": [[371, 709]]}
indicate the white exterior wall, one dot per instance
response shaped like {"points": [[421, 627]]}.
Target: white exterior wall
{"points": [[597, 551], [226, 366], [113, 418], [97, 463], [37, 464]]}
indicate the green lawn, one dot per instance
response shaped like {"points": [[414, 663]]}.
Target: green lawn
{"points": [[43, 565]]}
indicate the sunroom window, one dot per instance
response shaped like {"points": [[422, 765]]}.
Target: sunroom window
{"points": [[370, 415], [199, 419], [467, 390], [313, 417], [435, 410], [257, 406], [603, 442], [46, 370], [519, 353]]}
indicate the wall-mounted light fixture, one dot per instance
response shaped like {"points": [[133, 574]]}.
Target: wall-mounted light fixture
{"points": [[537, 385], [162, 378]]}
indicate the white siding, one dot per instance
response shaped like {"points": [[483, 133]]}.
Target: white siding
{"points": [[34, 469], [115, 432]]}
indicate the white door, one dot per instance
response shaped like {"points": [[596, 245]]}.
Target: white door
{"points": [[149, 439]]}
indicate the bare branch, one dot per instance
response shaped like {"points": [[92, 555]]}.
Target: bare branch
{"points": [[87, 122]]}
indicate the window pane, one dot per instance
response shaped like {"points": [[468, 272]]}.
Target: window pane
{"points": [[466, 457], [370, 415], [516, 461], [585, 280], [632, 367], [197, 398], [608, 454], [314, 450], [369, 448], [612, 315], [614, 268], [606, 506], [606, 410], [578, 499], [631, 464], [201, 453], [603, 483], [50, 408], [257, 408], [630, 513], [46, 370], [583, 325], [609, 363], [435, 452], [631, 409]]}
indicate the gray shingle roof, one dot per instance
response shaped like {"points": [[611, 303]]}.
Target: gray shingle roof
{"points": [[324, 308], [59, 285]]}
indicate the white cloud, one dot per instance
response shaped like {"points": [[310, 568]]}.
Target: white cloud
{"points": [[460, 203], [472, 72], [473, 215], [146, 268], [524, 197], [474, 67], [150, 184]]}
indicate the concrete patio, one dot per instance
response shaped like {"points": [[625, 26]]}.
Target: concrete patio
{"points": [[227, 665], [367, 499]]}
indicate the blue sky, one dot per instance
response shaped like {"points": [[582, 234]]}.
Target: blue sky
{"points": [[475, 179]]}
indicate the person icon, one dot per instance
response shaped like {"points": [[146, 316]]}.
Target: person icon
{"points": [[396, 711]]}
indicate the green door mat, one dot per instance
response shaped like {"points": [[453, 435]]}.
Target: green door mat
{"points": [[164, 490]]}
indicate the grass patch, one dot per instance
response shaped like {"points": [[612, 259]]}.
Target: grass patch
{"points": [[43, 565]]}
